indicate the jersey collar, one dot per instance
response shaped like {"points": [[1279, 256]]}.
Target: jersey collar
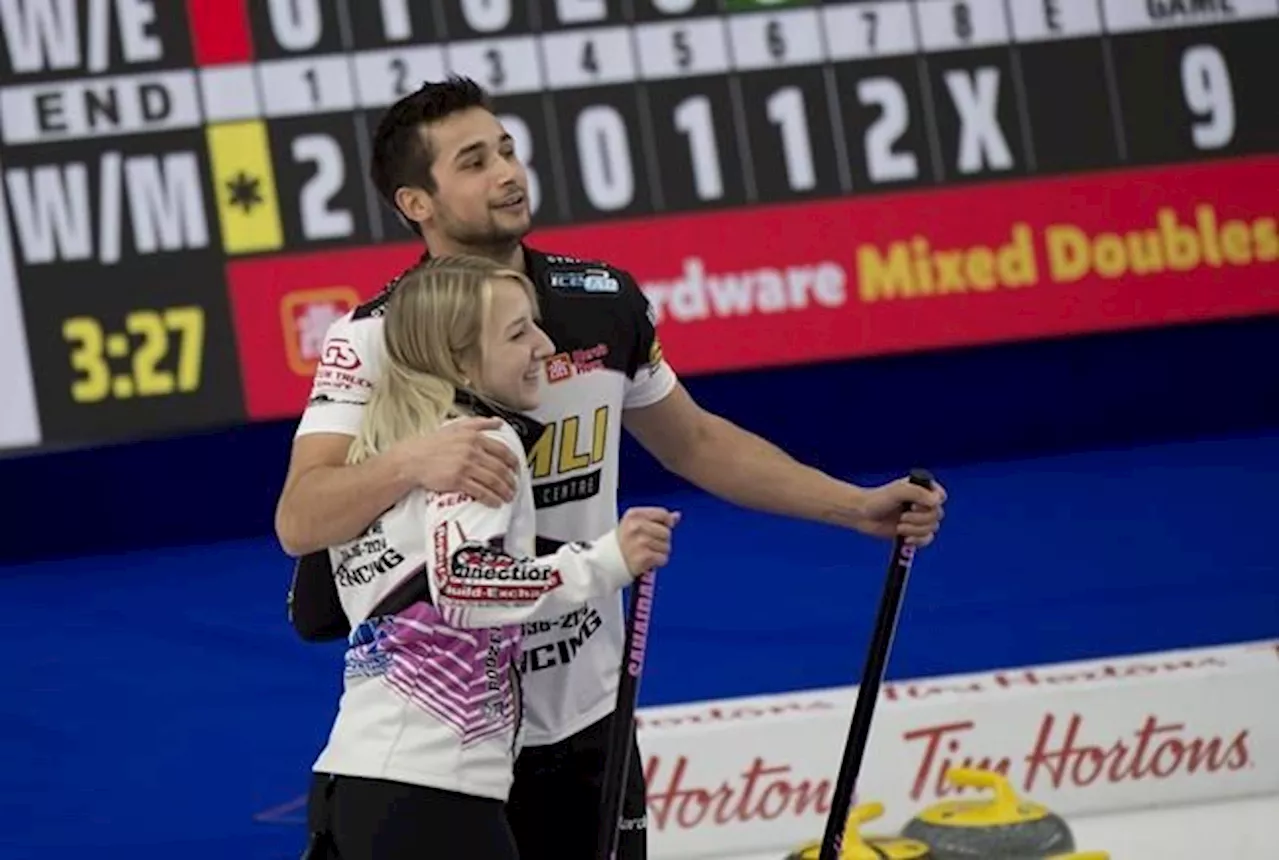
{"points": [[535, 262], [529, 430]]}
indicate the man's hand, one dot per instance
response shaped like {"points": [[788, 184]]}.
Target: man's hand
{"points": [[881, 513], [459, 458]]}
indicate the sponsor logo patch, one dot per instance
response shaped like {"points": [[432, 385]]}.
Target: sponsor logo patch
{"points": [[587, 281], [479, 572], [306, 316], [559, 367]]}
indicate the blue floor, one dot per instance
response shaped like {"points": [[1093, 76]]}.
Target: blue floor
{"points": [[157, 705]]}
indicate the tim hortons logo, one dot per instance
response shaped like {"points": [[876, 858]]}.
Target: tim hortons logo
{"points": [[1065, 754], [760, 792]]}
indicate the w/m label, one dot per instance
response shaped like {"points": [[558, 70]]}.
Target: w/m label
{"points": [[76, 211]]}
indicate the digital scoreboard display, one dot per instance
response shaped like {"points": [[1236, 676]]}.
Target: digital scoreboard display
{"points": [[184, 205]]}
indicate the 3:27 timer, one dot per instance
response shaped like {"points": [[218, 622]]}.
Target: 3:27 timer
{"points": [[149, 340]]}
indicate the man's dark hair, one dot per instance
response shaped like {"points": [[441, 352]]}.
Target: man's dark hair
{"points": [[402, 155]]}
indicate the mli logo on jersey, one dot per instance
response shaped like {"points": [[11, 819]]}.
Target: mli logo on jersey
{"points": [[306, 316], [566, 452]]}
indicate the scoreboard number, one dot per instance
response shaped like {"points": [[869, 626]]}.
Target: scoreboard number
{"points": [[962, 21], [315, 200], [681, 49], [872, 20], [399, 76], [1206, 86], [775, 41], [312, 80], [692, 117], [296, 24], [497, 69], [604, 158], [397, 23], [487, 16], [883, 163], [589, 62], [786, 110]]}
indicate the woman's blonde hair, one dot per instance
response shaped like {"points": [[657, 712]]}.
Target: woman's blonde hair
{"points": [[433, 324]]}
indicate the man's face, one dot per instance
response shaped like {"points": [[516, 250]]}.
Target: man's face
{"points": [[482, 190]]}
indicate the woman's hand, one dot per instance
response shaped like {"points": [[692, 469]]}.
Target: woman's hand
{"points": [[645, 537]]}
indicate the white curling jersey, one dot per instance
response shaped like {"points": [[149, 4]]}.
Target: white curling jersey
{"points": [[607, 359], [437, 590]]}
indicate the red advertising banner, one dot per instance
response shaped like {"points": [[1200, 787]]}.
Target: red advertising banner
{"points": [[789, 284]]}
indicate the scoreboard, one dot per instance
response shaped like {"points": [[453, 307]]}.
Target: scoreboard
{"points": [[184, 205]]}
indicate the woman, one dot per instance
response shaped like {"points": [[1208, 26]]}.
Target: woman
{"points": [[419, 760]]}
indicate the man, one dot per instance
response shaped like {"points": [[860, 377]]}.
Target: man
{"points": [[444, 162]]}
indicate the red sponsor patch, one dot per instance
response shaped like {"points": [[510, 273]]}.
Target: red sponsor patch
{"points": [[559, 367], [305, 316]]}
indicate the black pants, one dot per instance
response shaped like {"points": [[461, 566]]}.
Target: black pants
{"points": [[554, 808], [352, 818]]}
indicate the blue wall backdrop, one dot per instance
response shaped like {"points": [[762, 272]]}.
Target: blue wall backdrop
{"points": [[1109, 495]]}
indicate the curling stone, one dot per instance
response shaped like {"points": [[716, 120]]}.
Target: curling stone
{"points": [[858, 847], [1004, 826]]}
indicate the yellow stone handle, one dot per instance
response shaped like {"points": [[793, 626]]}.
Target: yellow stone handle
{"points": [[865, 812], [1006, 799]]}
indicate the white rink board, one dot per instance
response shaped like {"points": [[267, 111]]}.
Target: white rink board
{"points": [[1092, 739]]}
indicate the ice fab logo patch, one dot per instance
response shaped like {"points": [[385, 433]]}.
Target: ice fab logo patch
{"points": [[587, 280]]}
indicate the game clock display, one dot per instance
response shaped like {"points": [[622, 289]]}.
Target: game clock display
{"points": [[161, 162]]}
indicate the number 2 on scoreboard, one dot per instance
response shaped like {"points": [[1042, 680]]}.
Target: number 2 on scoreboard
{"points": [[400, 73]]}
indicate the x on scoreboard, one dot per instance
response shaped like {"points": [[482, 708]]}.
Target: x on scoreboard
{"points": [[185, 203]]}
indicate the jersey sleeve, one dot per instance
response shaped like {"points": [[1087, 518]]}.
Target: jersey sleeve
{"points": [[477, 581], [650, 378], [350, 360]]}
